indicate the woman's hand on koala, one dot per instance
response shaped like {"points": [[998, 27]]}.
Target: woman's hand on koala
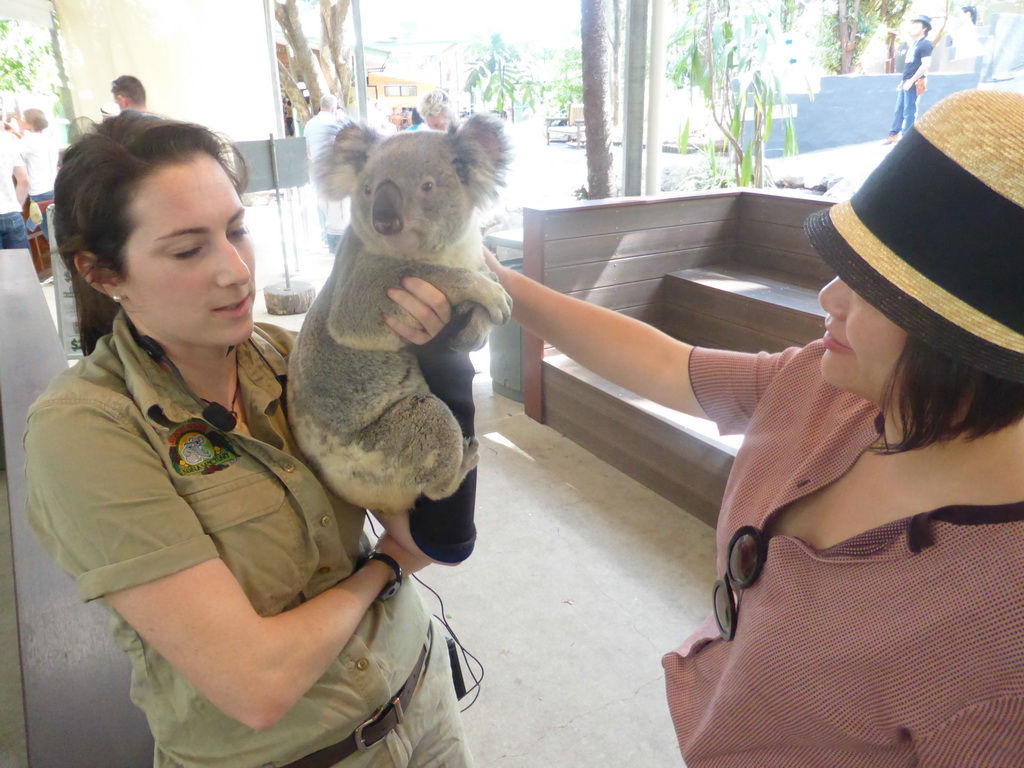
{"points": [[428, 307]]}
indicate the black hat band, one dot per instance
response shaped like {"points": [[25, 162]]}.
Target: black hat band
{"points": [[929, 210]]}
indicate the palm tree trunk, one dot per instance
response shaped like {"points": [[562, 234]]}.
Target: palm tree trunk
{"points": [[594, 31]]}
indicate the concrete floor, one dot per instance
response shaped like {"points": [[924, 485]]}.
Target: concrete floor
{"points": [[582, 579]]}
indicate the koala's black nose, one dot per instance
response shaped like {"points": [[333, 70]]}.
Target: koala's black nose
{"points": [[387, 208]]}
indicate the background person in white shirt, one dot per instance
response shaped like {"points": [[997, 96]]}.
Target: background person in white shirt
{"points": [[13, 193], [320, 131], [39, 152]]}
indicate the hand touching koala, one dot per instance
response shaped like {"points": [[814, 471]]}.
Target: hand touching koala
{"points": [[359, 407]]}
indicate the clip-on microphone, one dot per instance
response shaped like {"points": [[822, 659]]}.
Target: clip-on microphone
{"points": [[217, 415]]}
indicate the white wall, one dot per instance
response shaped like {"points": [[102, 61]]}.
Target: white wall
{"points": [[205, 61], [34, 11]]}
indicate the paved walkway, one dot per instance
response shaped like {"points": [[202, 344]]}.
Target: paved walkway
{"points": [[847, 166]]}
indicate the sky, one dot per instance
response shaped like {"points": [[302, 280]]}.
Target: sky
{"points": [[546, 23]]}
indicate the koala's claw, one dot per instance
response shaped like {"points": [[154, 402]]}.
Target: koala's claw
{"points": [[470, 455], [501, 309]]}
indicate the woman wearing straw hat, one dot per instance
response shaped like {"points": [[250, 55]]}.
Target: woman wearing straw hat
{"points": [[870, 610]]}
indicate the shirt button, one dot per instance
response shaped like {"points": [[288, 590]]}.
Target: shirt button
{"points": [[289, 467], [325, 521], [323, 569], [362, 664]]}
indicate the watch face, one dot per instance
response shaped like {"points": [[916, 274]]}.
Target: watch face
{"points": [[389, 591]]}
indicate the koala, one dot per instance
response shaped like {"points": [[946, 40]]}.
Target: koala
{"points": [[359, 407]]}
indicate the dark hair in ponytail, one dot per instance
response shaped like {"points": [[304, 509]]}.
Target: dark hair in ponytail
{"points": [[98, 178]]}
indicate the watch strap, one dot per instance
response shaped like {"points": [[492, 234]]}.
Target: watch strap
{"points": [[393, 585]]}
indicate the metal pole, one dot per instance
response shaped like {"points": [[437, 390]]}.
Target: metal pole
{"points": [[62, 75], [303, 216], [633, 97], [357, 24], [655, 87], [280, 212], [275, 82], [290, 192]]}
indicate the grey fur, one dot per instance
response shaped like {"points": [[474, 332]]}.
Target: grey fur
{"points": [[358, 405]]}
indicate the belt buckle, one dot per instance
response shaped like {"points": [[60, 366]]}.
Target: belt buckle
{"points": [[373, 719]]}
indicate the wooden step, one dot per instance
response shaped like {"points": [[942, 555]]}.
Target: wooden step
{"points": [[769, 234], [737, 307], [678, 456]]}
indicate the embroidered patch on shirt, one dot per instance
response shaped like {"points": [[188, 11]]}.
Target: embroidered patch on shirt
{"points": [[199, 449]]}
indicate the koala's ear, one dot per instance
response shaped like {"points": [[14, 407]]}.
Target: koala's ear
{"points": [[337, 169], [482, 155]]}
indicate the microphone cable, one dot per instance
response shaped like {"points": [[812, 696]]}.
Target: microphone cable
{"points": [[473, 664]]}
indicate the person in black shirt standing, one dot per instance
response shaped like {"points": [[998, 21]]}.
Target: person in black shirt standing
{"points": [[916, 68]]}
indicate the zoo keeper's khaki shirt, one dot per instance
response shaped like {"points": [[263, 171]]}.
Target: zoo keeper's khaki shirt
{"points": [[128, 484]]}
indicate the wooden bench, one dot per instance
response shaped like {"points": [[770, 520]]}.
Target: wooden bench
{"points": [[728, 269], [571, 127], [75, 679]]}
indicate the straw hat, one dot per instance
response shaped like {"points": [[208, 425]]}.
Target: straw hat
{"points": [[934, 239]]}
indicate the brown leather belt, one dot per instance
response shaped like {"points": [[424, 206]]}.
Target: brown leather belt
{"points": [[374, 728]]}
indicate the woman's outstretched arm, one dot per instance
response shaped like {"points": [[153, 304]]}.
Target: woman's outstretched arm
{"points": [[620, 348]]}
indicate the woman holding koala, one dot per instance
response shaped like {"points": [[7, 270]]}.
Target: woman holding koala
{"points": [[261, 627], [869, 608]]}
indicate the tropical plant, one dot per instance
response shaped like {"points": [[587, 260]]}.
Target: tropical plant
{"points": [[848, 25], [790, 12], [26, 59], [497, 70], [566, 86], [727, 56], [710, 173]]}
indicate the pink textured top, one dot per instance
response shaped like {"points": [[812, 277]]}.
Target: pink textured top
{"points": [[902, 646]]}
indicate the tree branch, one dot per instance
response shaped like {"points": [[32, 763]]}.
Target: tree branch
{"points": [[287, 15], [292, 90]]}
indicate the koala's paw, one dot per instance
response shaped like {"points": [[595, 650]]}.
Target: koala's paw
{"points": [[470, 458], [498, 305]]}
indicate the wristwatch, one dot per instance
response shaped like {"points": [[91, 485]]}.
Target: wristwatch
{"points": [[392, 587]]}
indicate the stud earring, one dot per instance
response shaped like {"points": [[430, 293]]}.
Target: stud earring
{"points": [[116, 298]]}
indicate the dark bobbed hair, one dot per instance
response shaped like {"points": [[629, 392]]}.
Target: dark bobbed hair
{"points": [[99, 176], [940, 399]]}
